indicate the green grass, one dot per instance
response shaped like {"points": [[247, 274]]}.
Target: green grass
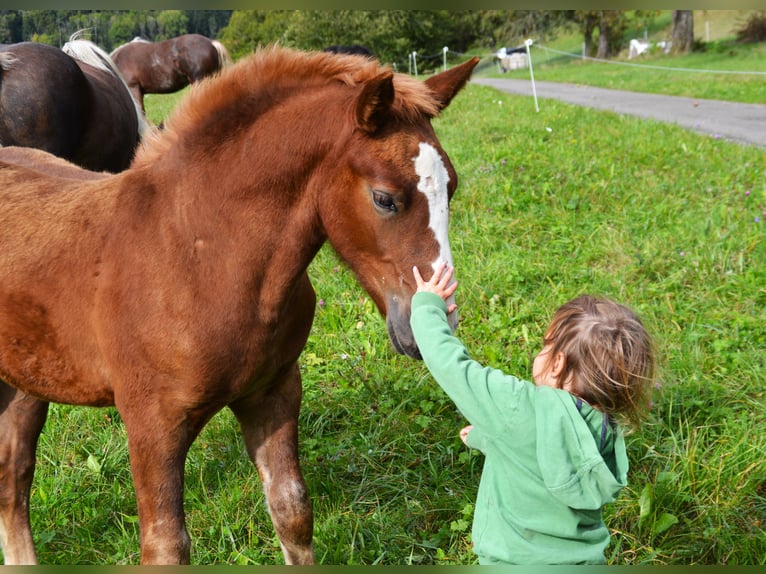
{"points": [[550, 205]]}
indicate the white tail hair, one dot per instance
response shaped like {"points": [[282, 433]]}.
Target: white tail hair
{"points": [[86, 51]]}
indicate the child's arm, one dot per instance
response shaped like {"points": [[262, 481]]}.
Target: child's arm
{"points": [[487, 397]]}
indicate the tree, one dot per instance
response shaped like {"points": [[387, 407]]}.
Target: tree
{"points": [[42, 26], [683, 31], [208, 22], [611, 26], [172, 23], [247, 29], [123, 29], [92, 24], [588, 20], [10, 27]]}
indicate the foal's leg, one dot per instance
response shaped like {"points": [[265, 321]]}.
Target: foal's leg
{"points": [[158, 444], [270, 428], [21, 420]]}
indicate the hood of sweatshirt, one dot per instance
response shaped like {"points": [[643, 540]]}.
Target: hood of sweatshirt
{"points": [[570, 454]]}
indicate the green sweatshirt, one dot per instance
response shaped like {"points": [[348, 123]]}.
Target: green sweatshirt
{"points": [[550, 464]]}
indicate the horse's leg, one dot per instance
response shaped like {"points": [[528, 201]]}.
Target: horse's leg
{"points": [[270, 428], [21, 419], [158, 443], [138, 95]]}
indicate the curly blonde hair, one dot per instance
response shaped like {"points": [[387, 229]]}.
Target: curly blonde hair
{"points": [[609, 355]]}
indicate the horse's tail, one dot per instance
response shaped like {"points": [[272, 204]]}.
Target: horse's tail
{"points": [[224, 59], [88, 52], [7, 60]]}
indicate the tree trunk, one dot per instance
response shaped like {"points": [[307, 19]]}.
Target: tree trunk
{"points": [[683, 31], [588, 26], [604, 38]]}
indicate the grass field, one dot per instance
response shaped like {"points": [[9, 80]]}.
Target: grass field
{"points": [[550, 205]]}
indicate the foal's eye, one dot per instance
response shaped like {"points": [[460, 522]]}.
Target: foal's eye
{"points": [[384, 201]]}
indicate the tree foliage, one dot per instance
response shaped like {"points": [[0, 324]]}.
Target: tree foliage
{"points": [[390, 34], [107, 28], [393, 35]]}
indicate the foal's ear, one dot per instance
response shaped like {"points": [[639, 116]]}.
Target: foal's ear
{"points": [[446, 85], [374, 103]]}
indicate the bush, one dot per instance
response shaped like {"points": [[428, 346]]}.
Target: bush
{"points": [[753, 30]]}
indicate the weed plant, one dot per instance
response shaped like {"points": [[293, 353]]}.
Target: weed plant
{"points": [[550, 205]]}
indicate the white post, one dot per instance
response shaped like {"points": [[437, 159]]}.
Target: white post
{"points": [[445, 49], [415, 62], [528, 43], [409, 63]]}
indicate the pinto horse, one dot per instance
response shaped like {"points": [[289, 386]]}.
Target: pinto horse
{"points": [[167, 66], [74, 105], [179, 286]]}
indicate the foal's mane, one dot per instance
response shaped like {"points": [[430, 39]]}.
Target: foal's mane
{"points": [[268, 69]]}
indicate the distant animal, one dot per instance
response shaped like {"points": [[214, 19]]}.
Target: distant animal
{"points": [[357, 49], [74, 106], [167, 66], [637, 47], [179, 286], [511, 58]]}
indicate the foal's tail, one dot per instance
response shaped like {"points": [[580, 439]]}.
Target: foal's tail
{"points": [[86, 51]]}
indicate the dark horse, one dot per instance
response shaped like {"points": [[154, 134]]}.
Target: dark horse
{"points": [[357, 49], [179, 286], [75, 107], [167, 66]]}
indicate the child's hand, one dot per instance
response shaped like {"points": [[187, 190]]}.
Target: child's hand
{"points": [[464, 433], [440, 283]]}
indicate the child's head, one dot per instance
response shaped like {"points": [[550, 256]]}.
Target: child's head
{"points": [[605, 355]]}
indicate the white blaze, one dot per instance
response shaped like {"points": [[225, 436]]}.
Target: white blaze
{"points": [[429, 166]]}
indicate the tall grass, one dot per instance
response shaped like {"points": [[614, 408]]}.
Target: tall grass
{"points": [[550, 204]]}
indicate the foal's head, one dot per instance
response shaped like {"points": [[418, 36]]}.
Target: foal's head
{"points": [[387, 209]]}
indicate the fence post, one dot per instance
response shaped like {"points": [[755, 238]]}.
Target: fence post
{"points": [[528, 42], [445, 49]]}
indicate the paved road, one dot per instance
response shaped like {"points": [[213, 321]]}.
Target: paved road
{"points": [[744, 123]]}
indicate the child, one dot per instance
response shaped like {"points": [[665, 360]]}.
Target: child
{"points": [[554, 454]]}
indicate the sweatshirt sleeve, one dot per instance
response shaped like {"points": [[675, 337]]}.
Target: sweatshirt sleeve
{"points": [[487, 397], [475, 439]]}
